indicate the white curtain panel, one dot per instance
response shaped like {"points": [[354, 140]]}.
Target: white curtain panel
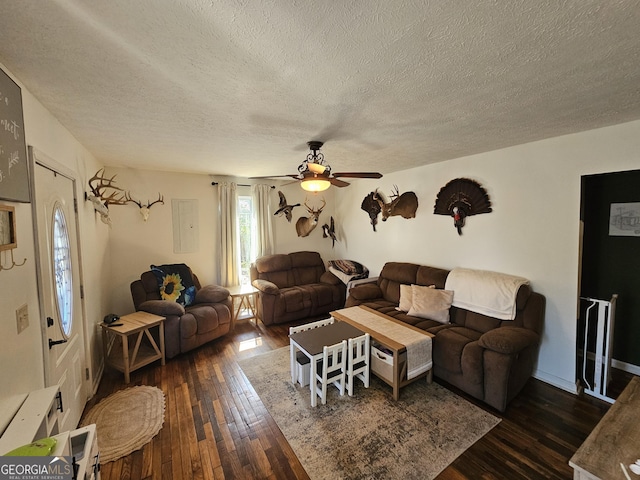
{"points": [[229, 249], [262, 220]]}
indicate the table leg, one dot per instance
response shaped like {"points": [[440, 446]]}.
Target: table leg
{"points": [[125, 357], [396, 375], [162, 362], [292, 362], [312, 381]]}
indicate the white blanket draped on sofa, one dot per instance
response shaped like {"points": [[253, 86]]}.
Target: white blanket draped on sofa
{"points": [[489, 293]]}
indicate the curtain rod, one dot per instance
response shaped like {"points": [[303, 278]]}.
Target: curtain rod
{"points": [[239, 184]]}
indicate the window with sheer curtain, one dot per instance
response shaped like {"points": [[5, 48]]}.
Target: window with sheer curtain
{"points": [[245, 231]]}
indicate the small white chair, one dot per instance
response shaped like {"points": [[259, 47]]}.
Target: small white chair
{"points": [[300, 364], [330, 370], [358, 355]]}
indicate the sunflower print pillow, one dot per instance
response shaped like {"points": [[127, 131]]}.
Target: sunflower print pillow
{"points": [[175, 283]]}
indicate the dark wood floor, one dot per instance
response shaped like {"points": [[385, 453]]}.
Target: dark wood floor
{"points": [[216, 426]]}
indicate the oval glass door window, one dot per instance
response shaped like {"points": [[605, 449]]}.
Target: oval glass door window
{"points": [[61, 256]]}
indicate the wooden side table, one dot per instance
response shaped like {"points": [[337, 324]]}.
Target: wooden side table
{"points": [[134, 354], [244, 296]]}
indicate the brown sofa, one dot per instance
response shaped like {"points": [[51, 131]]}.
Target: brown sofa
{"points": [[185, 328], [488, 358], [295, 286]]}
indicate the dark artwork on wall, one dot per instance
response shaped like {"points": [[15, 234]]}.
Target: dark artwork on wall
{"points": [[461, 198], [14, 176]]}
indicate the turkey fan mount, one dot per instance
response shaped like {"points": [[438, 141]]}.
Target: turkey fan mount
{"points": [[461, 198]]}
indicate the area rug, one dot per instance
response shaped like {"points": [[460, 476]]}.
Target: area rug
{"points": [[126, 420], [368, 435]]}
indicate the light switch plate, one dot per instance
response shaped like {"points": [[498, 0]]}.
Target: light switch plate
{"points": [[22, 317]]}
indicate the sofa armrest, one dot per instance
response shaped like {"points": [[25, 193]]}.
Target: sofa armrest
{"points": [[330, 278], [211, 294], [163, 308], [366, 291], [265, 286], [509, 340]]}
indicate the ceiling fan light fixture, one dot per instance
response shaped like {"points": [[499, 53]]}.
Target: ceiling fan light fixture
{"points": [[314, 184], [316, 168]]}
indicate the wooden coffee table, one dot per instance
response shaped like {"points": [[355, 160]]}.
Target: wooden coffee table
{"points": [[613, 445], [397, 378], [138, 354]]}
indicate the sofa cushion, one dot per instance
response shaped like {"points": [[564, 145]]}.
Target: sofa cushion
{"points": [[509, 340], [294, 298], [175, 283], [449, 344], [431, 303], [212, 294], [205, 319], [431, 276], [394, 274], [366, 291]]}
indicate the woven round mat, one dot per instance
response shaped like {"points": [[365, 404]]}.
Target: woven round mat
{"points": [[126, 420]]}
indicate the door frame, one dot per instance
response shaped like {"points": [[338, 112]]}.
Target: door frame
{"points": [[37, 157]]}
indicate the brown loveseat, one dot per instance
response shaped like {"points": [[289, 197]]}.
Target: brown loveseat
{"points": [[488, 358], [295, 286], [185, 327]]}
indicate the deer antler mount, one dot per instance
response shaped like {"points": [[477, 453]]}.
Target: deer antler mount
{"points": [[145, 209], [105, 193]]}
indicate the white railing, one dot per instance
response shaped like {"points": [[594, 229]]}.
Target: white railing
{"points": [[604, 317]]}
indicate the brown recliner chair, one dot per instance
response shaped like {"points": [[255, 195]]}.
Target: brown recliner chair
{"points": [[185, 328]]}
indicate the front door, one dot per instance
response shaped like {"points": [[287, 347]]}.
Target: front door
{"points": [[59, 290]]}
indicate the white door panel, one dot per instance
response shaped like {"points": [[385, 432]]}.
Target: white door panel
{"points": [[59, 285]]}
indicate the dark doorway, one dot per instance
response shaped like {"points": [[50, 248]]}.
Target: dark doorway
{"points": [[611, 263]]}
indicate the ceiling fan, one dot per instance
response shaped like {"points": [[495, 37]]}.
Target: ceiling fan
{"points": [[315, 175]]}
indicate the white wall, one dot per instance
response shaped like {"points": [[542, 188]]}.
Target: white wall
{"points": [[135, 245], [21, 363], [533, 230]]}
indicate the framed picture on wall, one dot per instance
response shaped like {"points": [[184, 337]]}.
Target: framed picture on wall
{"points": [[624, 220], [7, 228]]}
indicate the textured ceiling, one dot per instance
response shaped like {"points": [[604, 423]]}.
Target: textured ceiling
{"points": [[239, 87]]}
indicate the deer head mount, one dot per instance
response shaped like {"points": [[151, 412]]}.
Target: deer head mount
{"points": [[305, 225], [145, 209], [404, 205]]}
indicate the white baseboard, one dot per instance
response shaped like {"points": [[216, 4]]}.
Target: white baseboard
{"points": [[626, 367], [619, 364], [555, 381], [96, 379]]}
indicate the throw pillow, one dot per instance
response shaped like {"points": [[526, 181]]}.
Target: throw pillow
{"points": [[406, 298], [431, 303], [175, 283]]}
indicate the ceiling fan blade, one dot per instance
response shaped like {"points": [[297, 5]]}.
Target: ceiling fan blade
{"points": [[291, 175], [358, 174], [338, 183]]}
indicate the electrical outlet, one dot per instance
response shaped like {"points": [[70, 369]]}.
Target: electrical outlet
{"points": [[22, 317]]}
